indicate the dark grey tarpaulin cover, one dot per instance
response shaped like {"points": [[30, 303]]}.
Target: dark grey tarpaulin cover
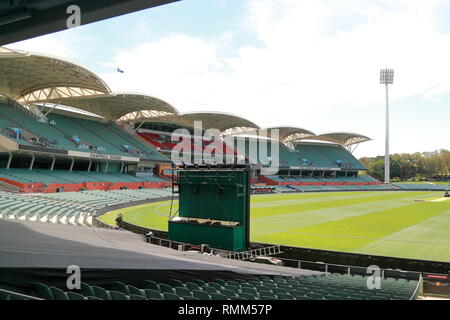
{"points": [[39, 245], [41, 252], [44, 245]]}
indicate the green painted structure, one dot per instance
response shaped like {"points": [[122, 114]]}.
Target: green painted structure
{"points": [[214, 207]]}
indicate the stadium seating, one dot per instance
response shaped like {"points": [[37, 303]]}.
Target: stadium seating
{"points": [[318, 180], [31, 128], [422, 186], [50, 181], [159, 141], [163, 142], [331, 155], [305, 155], [319, 188], [360, 183], [76, 208], [69, 133], [287, 158], [104, 137], [325, 287]]}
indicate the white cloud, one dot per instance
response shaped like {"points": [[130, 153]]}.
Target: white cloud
{"points": [[50, 44], [173, 68], [75, 44]]}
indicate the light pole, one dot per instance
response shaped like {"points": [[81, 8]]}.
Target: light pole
{"points": [[387, 78]]}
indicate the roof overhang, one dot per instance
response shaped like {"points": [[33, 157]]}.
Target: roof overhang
{"points": [[290, 134], [20, 20], [30, 77], [123, 106], [343, 138], [286, 135], [209, 120]]}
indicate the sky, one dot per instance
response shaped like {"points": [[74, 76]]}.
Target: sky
{"points": [[312, 64]]}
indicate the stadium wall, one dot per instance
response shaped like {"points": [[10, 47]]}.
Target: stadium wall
{"points": [[360, 260], [74, 187]]}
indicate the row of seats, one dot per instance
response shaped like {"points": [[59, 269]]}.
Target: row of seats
{"points": [[64, 176], [303, 155], [422, 186], [18, 117], [286, 157], [76, 208], [42, 209], [374, 187], [295, 178], [164, 142], [106, 135], [318, 188], [321, 287], [309, 188], [328, 155], [69, 133]]}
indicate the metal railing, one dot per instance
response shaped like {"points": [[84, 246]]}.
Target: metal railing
{"points": [[347, 269], [250, 254], [180, 246], [419, 289]]}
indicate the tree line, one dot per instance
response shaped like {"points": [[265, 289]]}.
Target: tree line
{"points": [[412, 166]]}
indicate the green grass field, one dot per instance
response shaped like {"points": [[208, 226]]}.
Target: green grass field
{"points": [[378, 223]]}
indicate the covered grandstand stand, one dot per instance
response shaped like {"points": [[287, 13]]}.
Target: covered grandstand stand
{"points": [[327, 155], [71, 114], [71, 134], [158, 130], [20, 20], [305, 155], [38, 134], [304, 163]]}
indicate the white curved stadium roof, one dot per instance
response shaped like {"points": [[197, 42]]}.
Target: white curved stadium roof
{"points": [[210, 120], [116, 106], [31, 77], [344, 138]]}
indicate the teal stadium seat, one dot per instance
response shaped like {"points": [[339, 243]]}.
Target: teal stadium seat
{"points": [[324, 287]]}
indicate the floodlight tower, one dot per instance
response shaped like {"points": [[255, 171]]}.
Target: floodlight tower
{"points": [[387, 78]]}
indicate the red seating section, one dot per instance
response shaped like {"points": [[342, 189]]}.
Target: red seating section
{"points": [[73, 187], [164, 143], [269, 181]]}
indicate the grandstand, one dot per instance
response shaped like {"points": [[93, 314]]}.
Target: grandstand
{"points": [[69, 132], [76, 208], [49, 149]]}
